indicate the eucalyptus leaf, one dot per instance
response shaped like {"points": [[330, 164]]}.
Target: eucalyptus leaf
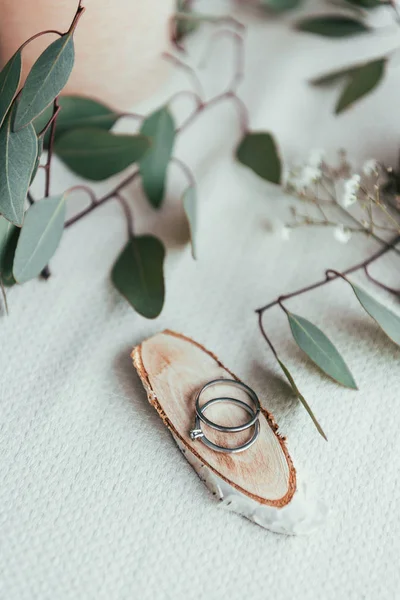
{"points": [[333, 77], [77, 112], [184, 26], [280, 5], [138, 275], [387, 320], [258, 151], [40, 143], [160, 127], [366, 3], [7, 259], [9, 82], [6, 231], [320, 350], [98, 154], [39, 238], [302, 399], [45, 81], [17, 161], [189, 201], [362, 81], [332, 26]]}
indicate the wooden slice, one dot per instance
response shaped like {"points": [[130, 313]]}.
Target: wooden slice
{"points": [[173, 368]]}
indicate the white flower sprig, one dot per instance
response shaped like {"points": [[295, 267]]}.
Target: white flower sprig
{"points": [[348, 202]]}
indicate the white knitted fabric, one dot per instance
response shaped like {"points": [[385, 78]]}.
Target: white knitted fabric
{"points": [[96, 501]]}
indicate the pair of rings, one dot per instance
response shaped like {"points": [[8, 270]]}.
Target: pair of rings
{"points": [[253, 410]]}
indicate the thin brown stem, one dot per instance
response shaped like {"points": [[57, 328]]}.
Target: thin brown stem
{"points": [[328, 277], [56, 111], [128, 213], [189, 70], [100, 201], [187, 172], [380, 284]]}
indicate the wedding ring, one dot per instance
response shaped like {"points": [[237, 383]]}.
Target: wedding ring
{"points": [[200, 417], [197, 432], [250, 393]]}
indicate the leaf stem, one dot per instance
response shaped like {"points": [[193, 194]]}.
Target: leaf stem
{"points": [[328, 278], [128, 214], [52, 124], [188, 173], [96, 202]]}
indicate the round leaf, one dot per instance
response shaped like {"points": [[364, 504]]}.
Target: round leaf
{"points": [[97, 154], [388, 321], [39, 238], [361, 82], [258, 151], [332, 26], [9, 81], [320, 349], [160, 127], [77, 112], [138, 275], [17, 161], [190, 206], [45, 81]]}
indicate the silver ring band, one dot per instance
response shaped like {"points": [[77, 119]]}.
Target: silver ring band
{"points": [[197, 432], [250, 393]]}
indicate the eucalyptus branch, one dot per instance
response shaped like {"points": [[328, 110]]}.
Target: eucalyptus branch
{"points": [[328, 278], [52, 123], [96, 202]]}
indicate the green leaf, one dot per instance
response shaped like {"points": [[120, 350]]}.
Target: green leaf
{"points": [[362, 81], [320, 349], [6, 231], [39, 238], [184, 26], [332, 26], [17, 160], [387, 320], [160, 127], [138, 275], [45, 81], [7, 257], [258, 151], [280, 5], [40, 143], [9, 81], [366, 3], [77, 112], [333, 77], [189, 201], [97, 154], [302, 399]]}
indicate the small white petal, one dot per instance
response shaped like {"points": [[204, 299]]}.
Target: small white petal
{"points": [[370, 167], [316, 157], [309, 175], [341, 234]]}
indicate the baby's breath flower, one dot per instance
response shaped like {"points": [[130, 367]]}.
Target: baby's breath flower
{"points": [[370, 167], [316, 158], [351, 187], [309, 175], [342, 234]]}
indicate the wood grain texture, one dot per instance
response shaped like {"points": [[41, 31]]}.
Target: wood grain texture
{"points": [[173, 368]]}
